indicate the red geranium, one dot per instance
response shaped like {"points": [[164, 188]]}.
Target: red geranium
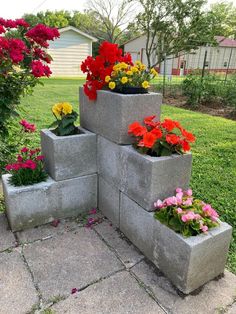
{"points": [[161, 138], [101, 66]]}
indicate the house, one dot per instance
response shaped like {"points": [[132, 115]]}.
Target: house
{"points": [[218, 58], [69, 50]]}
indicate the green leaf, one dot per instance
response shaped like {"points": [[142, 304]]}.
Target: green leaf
{"points": [[53, 124]]}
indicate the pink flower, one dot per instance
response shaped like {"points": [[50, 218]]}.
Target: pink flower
{"points": [[158, 204], [179, 197], [30, 164], [93, 211], [187, 217], [40, 157], [210, 212], [179, 190], [189, 192], [24, 150], [204, 228], [28, 127], [179, 210], [8, 167], [188, 202], [74, 290], [19, 158], [171, 201]]}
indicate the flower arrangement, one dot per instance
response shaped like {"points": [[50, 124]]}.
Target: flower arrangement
{"points": [[28, 169], [23, 59], [65, 119], [156, 138], [101, 66], [126, 77], [185, 214]]}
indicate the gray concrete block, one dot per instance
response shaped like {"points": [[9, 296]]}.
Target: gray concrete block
{"points": [[150, 178], [138, 225], [109, 201], [189, 262], [34, 205], [112, 113], [69, 156], [109, 162]]}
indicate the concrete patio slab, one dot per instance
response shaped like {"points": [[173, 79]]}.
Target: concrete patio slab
{"points": [[126, 296], [7, 238], [18, 294], [72, 260]]}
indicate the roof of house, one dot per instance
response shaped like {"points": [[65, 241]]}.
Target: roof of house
{"points": [[225, 42], [72, 28]]}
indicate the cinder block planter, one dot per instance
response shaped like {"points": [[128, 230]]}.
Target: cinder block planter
{"points": [[69, 156], [150, 178], [188, 262], [112, 113], [109, 201], [34, 205]]}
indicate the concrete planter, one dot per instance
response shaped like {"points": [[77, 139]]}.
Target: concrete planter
{"points": [[151, 178], [143, 178], [34, 205], [111, 114], [69, 156], [188, 262]]}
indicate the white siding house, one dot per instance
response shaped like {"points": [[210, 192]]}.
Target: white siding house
{"points": [[69, 50]]}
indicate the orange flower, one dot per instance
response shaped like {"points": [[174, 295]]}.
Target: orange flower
{"points": [[137, 129], [188, 136], [172, 139], [149, 139]]}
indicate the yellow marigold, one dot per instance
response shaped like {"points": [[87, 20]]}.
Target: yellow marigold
{"points": [[112, 85], [116, 67], [129, 73], [124, 79], [145, 84], [107, 79], [123, 65], [143, 67], [153, 72], [134, 69], [138, 63], [67, 108]]}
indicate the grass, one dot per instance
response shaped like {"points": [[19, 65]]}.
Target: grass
{"points": [[214, 162]]}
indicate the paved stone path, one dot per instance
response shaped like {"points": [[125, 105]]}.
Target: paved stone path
{"points": [[40, 267]]}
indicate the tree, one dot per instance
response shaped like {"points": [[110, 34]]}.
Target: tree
{"points": [[114, 15], [173, 26], [57, 19], [224, 15]]}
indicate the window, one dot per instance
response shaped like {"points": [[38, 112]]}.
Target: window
{"points": [[225, 64], [206, 64]]}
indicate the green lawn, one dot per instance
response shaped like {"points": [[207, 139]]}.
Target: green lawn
{"points": [[214, 161]]}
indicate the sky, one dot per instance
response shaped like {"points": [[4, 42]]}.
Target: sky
{"points": [[16, 8]]}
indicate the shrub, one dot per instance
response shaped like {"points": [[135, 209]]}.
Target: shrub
{"points": [[28, 168], [185, 214], [160, 138], [65, 119]]}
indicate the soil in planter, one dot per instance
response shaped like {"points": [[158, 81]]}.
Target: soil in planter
{"points": [[129, 90], [77, 132]]}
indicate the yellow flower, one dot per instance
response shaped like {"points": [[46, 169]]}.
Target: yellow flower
{"points": [[153, 72], [124, 79], [57, 109], [66, 108], [112, 85], [129, 73], [138, 63], [123, 65], [113, 73], [134, 69], [107, 79], [143, 67], [145, 84]]}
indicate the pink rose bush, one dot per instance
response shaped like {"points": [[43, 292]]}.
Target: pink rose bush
{"points": [[185, 214], [28, 168]]}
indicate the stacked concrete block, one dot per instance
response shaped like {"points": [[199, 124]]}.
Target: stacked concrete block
{"points": [[34, 205], [111, 113], [130, 183]]}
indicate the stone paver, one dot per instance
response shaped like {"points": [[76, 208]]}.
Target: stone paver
{"points": [[125, 250], [17, 292], [215, 295], [119, 294], [232, 309], [48, 230], [7, 238], [72, 260]]}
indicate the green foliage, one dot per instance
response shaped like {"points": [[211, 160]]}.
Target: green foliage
{"points": [[173, 26], [209, 89]]}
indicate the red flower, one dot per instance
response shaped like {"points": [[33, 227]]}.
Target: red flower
{"points": [[137, 129], [2, 29], [39, 70], [28, 127], [149, 139], [22, 22], [42, 33], [188, 136], [172, 139], [185, 146], [149, 121], [157, 132], [168, 124]]}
